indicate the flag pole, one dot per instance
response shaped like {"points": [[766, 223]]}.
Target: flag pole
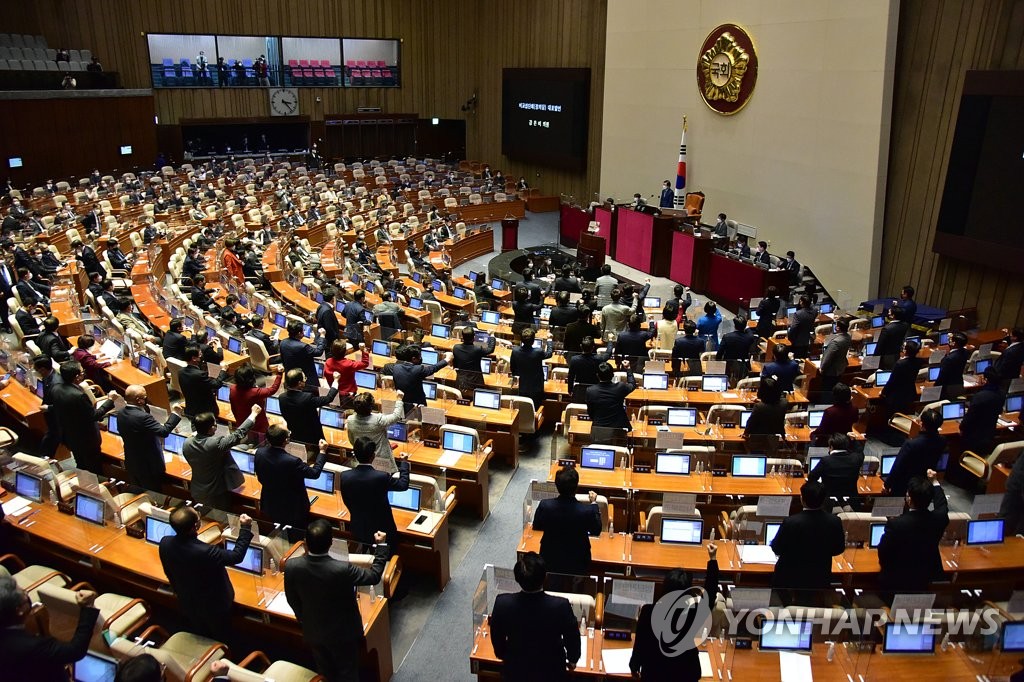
{"points": [[679, 200]]}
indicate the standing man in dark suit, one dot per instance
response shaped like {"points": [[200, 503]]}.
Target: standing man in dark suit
{"points": [[326, 318], [27, 656], [355, 316], [735, 348], [364, 490], [631, 344], [43, 367], [283, 476], [174, 342], [907, 304], [806, 543], [908, 553], [301, 409], [526, 366], [583, 369], [801, 328], [688, 347], [535, 635], [576, 331], [891, 339], [321, 592], [839, 471], [648, 662], [834, 356], [77, 416], [297, 354], [197, 572], [214, 473], [667, 195], [563, 314], [567, 526], [197, 386], [1009, 363], [900, 392], [917, 455], [467, 356], [952, 367], [606, 400], [409, 373], [90, 261], [978, 427], [142, 434]]}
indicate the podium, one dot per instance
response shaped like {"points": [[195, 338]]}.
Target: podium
{"points": [[593, 246], [509, 234]]}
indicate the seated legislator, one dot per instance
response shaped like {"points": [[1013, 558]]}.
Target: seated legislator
{"points": [[174, 342], [364, 490], [214, 472], [806, 543], [606, 400], [39, 658], [649, 662], [142, 434], [535, 635], [917, 455], [301, 409], [840, 470], [283, 498], [908, 553], [839, 417], [567, 525], [198, 575]]}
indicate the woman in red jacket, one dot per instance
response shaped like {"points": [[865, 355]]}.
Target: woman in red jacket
{"points": [[245, 393], [346, 368]]}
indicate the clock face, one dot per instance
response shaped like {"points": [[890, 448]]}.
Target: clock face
{"points": [[284, 102]]}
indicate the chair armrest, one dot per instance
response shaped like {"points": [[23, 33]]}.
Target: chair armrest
{"points": [[725, 529], [449, 497], [599, 610], [156, 630], [47, 578], [642, 525], [125, 609], [539, 417], [288, 555], [254, 657], [205, 660], [15, 559], [967, 454], [392, 574], [82, 586]]}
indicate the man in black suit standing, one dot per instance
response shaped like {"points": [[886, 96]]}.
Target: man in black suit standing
{"points": [[174, 342], [839, 471], [197, 572], [284, 499], [576, 331], [801, 328], [900, 392], [28, 656], [467, 356], [409, 373], [978, 427], [583, 369], [297, 354], [326, 318], [364, 490], [735, 348], [301, 409], [320, 590], [43, 367], [806, 543], [535, 634], [834, 356], [606, 400], [197, 387], [891, 338], [567, 525], [77, 416], [952, 366], [908, 553], [1009, 363], [526, 365], [917, 455], [142, 434]]}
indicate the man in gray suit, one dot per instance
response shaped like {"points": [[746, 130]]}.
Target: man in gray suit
{"points": [[319, 590], [605, 283], [833, 357], [210, 459]]}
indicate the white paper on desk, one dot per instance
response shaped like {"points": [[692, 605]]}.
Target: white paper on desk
{"points": [[616, 661], [628, 596], [757, 554], [870, 362], [668, 440], [984, 350], [936, 356], [887, 506], [986, 504], [583, 662], [279, 604], [714, 367], [16, 506], [678, 504], [111, 349], [448, 458], [705, 664], [773, 506], [296, 450], [431, 415], [931, 394], [795, 667]]}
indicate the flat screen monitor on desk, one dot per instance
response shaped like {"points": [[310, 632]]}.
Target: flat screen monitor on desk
{"points": [[490, 316], [682, 531], [332, 418], [1014, 403], [786, 635], [714, 383], [882, 377], [146, 363], [671, 463], [652, 302], [156, 529], [430, 357], [253, 561], [398, 431], [771, 529], [745, 417], [887, 462], [441, 331], [985, 532], [490, 400], [908, 638], [456, 441], [597, 458], [1012, 637], [366, 380], [245, 461], [381, 348], [682, 416], [28, 486], [235, 345], [273, 405], [89, 508], [95, 668], [933, 372], [430, 390], [323, 484], [656, 382], [877, 322], [497, 284], [749, 466], [416, 303], [174, 442], [869, 347], [408, 499], [826, 308], [280, 320], [814, 418], [953, 411], [981, 365], [877, 531], [224, 394], [460, 293]]}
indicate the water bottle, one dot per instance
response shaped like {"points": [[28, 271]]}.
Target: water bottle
{"points": [[831, 654], [273, 566]]}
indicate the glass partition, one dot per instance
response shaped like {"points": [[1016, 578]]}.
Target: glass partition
{"points": [[182, 60], [371, 62], [311, 61]]}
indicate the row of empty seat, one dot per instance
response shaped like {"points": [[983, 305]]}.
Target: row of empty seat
{"points": [[46, 54], [15, 40], [41, 65]]}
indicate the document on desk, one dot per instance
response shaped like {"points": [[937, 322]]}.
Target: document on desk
{"points": [[757, 554], [110, 349], [584, 659], [774, 506], [432, 415], [279, 604], [668, 440], [16, 506], [616, 661], [936, 356], [795, 667], [705, 664], [448, 458], [213, 369]]}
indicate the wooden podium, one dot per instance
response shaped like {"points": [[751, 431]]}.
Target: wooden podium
{"points": [[593, 246]]}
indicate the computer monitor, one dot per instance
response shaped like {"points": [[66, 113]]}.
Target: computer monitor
{"points": [[457, 441], [785, 635], [224, 394], [417, 277], [877, 322], [953, 411], [356, 279], [944, 339], [490, 400], [430, 390], [280, 320], [28, 486], [381, 348], [882, 377], [656, 382], [908, 638], [826, 308], [814, 418], [485, 365], [407, 499], [174, 442], [437, 286], [652, 302], [323, 484], [112, 424], [751, 466], [307, 331], [366, 379], [682, 531], [472, 276], [146, 363], [89, 508], [441, 331], [460, 293], [745, 417], [1013, 403], [1012, 637], [245, 461], [715, 383], [597, 458], [887, 462], [497, 284], [273, 405], [398, 431], [771, 529], [261, 309], [545, 313], [933, 372], [332, 418], [790, 311], [490, 316], [416, 303], [235, 345], [682, 416], [869, 347], [985, 532], [339, 307], [156, 529], [429, 356], [671, 463], [877, 531], [15, 162], [369, 286], [94, 667], [813, 462], [253, 561]]}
